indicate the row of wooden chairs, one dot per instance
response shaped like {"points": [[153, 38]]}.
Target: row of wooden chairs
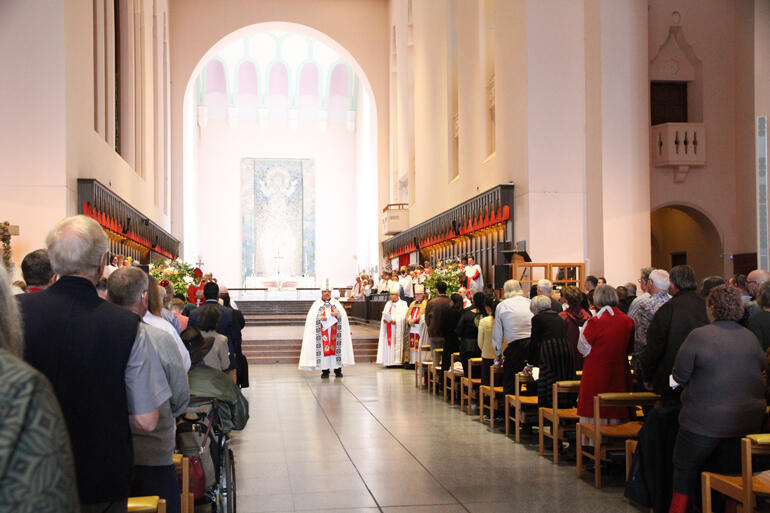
{"points": [[604, 438], [154, 504]]}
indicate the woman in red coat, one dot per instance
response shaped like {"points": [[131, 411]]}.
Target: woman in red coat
{"points": [[605, 342]]}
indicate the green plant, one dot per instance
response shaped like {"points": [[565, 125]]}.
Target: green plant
{"points": [[178, 272], [5, 238], [451, 274]]}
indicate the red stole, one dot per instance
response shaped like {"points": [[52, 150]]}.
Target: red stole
{"points": [[329, 340], [389, 326], [414, 338]]}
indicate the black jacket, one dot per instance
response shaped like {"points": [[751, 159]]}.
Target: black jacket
{"points": [[669, 327], [82, 344]]}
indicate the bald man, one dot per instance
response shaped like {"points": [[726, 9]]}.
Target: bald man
{"points": [[753, 281]]}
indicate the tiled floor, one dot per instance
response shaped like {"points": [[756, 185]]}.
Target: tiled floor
{"points": [[372, 442]]}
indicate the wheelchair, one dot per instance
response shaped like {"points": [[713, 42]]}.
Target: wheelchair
{"points": [[200, 435]]}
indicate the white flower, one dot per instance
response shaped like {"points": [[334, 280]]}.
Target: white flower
{"points": [[178, 260], [188, 280]]}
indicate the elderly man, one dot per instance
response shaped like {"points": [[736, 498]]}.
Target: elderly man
{"points": [[435, 311], [754, 280], [103, 368], [545, 288], [673, 321], [513, 324], [154, 472], [37, 272], [644, 280], [657, 285], [415, 318]]}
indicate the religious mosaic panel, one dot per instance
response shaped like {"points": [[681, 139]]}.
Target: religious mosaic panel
{"points": [[278, 218]]}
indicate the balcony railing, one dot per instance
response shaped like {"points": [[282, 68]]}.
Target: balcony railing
{"points": [[679, 146], [395, 218]]}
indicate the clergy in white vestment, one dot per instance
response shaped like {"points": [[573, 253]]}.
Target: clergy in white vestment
{"points": [[326, 343], [474, 282], [392, 330]]}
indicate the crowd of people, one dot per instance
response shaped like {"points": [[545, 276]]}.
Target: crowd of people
{"points": [[701, 347], [88, 423]]}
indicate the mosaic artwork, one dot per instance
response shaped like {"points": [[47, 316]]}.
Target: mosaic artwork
{"points": [[277, 218]]}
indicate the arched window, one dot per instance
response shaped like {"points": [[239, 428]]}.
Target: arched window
{"points": [[278, 92], [247, 100], [339, 94], [308, 101], [216, 90]]}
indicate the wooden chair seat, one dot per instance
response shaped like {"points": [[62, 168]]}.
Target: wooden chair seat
{"points": [[490, 395], [745, 487], [561, 420], [469, 385], [609, 437], [517, 406], [152, 504]]}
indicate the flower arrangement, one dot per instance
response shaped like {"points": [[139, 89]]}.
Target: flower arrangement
{"points": [[177, 272], [5, 239], [451, 273]]}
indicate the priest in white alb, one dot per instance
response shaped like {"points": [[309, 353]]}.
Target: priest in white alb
{"points": [[390, 348], [326, 343], [473, 279]]}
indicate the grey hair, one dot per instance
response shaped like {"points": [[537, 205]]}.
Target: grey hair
{"points": [[631, 288], [544, 287], [539, 304], [512, 288], [126, 286], [659, 278], [605, 295], [11, 335], [76, 246]]}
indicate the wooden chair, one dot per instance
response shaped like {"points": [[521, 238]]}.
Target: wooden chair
{"points": [[434, 371], [493, 393], [745, 487], [630, 450], [421, 367], [153, 504], [517, 405], [451, 379], [182, 467], [561, 419], [469, 384], [609, 437]]}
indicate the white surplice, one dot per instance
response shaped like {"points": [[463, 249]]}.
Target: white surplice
{"points": [[393, 318]]}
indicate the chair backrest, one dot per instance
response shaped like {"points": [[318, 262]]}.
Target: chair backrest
{"points": [[621, 399], [473, 363], [564, 387], [751, 445], [520, 379], [493, 371]]}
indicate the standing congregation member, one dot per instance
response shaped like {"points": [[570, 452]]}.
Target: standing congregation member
{"points": [[390, 346], [657, 295], [71, 336], [720, 368], [468, 329], [434, 313], [449, 329], [513, 323], [474, 281], [605, 343], [37, 473], [486, 325], [574, 317], [153, 317], [226, 325], [644, 280], [415, 318], [166, 295], [154, 472], [759, 323], [545, 288], [552, 350], [754, 281], [685, 311], [326, 343], [37, 272]]}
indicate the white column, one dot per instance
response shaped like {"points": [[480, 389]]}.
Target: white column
{"points": [[625, 129]]}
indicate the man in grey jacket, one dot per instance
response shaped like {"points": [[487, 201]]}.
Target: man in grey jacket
{"points": [[154, 472]]}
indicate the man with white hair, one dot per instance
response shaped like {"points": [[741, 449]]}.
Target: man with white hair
{"points": [[545, 288], [754, 280], [656, 285], [513, 324], [102, 367]]}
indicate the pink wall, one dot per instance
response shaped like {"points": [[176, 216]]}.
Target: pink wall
{"points": [[359, 26]]}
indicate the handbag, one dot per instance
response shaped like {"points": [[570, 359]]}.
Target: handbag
{"points": [[192, 441], [242, 370]]}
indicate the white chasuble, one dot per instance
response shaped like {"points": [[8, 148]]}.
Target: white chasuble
{"points": [[326, 343], [390, 348]]}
